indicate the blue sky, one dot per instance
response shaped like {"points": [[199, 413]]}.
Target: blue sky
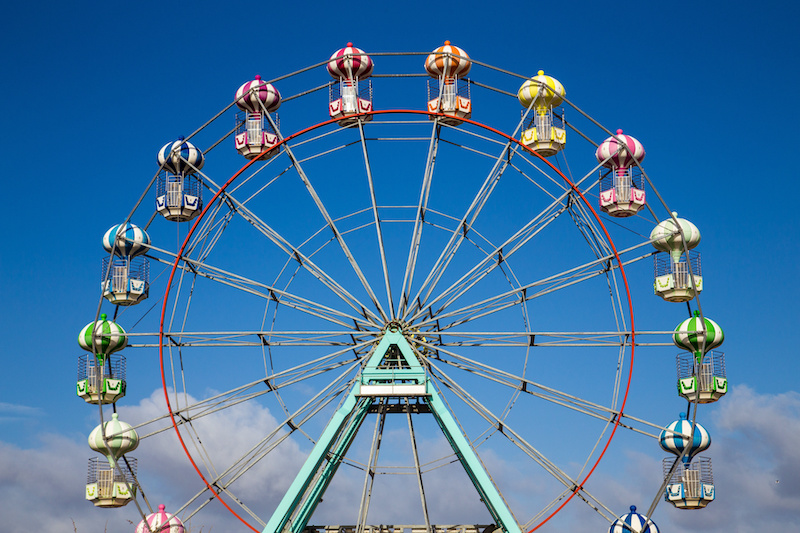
{"points": [[91, 91]]}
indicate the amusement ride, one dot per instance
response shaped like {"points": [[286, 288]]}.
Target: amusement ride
{"points": [[416, 288]]}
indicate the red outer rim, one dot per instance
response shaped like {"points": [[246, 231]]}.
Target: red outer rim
{"points": [[385, 112]]}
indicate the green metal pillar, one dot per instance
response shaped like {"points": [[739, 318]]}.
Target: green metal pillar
{"points": [[393, 370], [334, 460]]}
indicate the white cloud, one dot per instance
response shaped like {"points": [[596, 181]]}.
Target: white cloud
{"points": [[756, 462], [10, 412], [51, 476], [754, 444], [225, 436], [754, 437], [42, 489]]}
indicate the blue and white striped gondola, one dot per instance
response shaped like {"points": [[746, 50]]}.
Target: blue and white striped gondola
{"points": [[690, 485], [178, 193], [126, 274], [131, 240], [180, 157], [633, 522], [675, 438]]}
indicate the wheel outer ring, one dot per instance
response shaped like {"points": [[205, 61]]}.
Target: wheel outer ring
{"points": [[222, 189]]}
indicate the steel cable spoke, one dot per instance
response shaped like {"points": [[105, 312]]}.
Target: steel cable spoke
{"points": [[419, 220], [293, 251], [261, 449], [324, 212], [556, 282], [378, 227], [464, 225], [520, 238], [516, 439], [206, 270], [528, 386]]}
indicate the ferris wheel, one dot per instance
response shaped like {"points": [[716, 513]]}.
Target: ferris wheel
{"points": [[417, 290]]}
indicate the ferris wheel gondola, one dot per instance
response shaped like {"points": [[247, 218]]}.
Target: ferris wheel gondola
{"points": [[449, 94], [351, 93]]}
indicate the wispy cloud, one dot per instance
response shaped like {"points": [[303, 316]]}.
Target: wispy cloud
{"points": [[10, 412], [756, 468], [756, 464]]}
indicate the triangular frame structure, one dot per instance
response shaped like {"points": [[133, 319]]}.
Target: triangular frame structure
{"points": [[392, 371]]}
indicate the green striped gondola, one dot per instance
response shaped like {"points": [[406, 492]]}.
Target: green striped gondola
{"points": [[689, 335], [102, 337]]}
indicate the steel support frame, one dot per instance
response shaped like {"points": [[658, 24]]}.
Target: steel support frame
{"points": [[306, 491]]}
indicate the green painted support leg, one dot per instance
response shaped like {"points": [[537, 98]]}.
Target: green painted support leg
{"points": [[335, 458], [469, 460], [392, 370], [280, 520]]}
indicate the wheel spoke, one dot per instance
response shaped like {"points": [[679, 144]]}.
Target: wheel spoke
{"points": [[263, 290], [292, 251], [274, 382], [337, 234], [523, 293], [293, 422], [521, 339], [515, 438], [244, 339], [378, 227], [504, 251], [492, 260], [419, 220], [538, 390], [464, 225]]}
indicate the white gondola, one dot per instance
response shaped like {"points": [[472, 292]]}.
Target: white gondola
{"points": [[126, 280], [672, 280], [349, 97], [703, 382], [178, 189], [675, 281], [107, 486], [101, 384], [691, 485], [255, 134], [455, 101], [178, 197]]}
